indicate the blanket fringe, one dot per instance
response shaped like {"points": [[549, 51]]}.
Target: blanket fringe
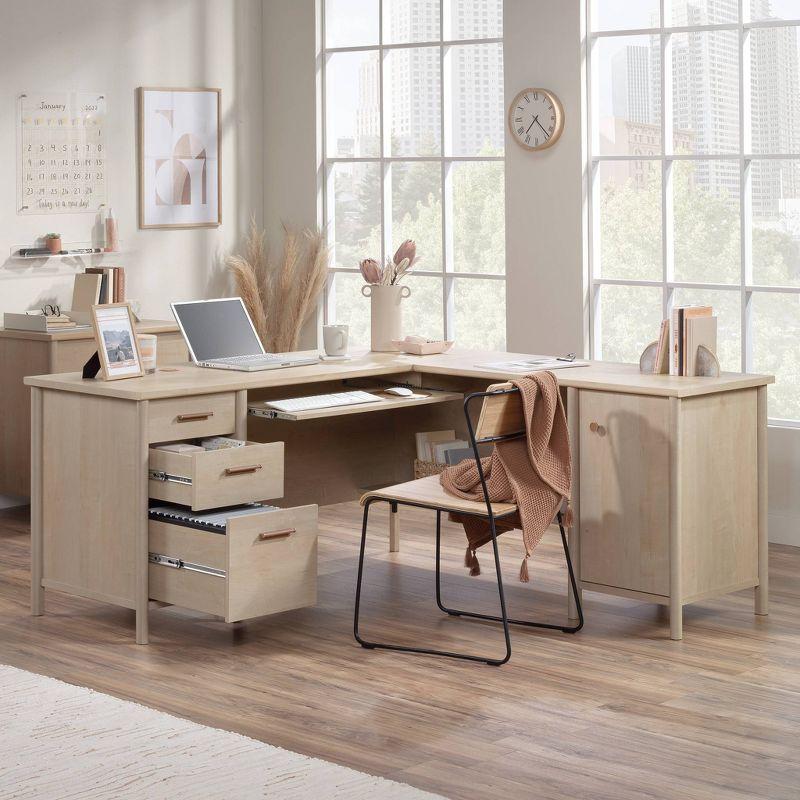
{"points": [[568, 517], [475, 569], [471, 561], [524, 577]]}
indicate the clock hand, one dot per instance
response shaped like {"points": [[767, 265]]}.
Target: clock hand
{"points": [[535, 119]]}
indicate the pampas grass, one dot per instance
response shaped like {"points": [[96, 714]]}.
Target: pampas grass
{"points": [[281, 295]]}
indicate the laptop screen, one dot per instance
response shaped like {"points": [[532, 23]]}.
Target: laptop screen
{"points": [[217, 329]]}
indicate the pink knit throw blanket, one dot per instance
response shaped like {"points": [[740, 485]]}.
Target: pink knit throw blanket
{"points": [[533, 472]]}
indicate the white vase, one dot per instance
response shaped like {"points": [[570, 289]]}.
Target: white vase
{"points": [[386, 315]]}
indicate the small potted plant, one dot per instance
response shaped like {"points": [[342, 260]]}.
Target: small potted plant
{"points": [[53, 243]]}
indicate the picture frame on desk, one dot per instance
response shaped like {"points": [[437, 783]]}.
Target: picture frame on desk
{"points": [[117, 346]]}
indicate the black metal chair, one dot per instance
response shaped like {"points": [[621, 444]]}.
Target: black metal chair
{"points": [[501, 418]]}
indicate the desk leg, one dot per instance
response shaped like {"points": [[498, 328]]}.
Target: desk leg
{"points": [[675, 620], [241, 415], [37, 532], [142, 548], [394, 528], [675, 516], [762, 590], [573, 534]]}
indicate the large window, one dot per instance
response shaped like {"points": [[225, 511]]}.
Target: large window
{"points": [[694, 176], [413, 149]]}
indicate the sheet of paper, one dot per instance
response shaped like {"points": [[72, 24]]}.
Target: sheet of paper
{"points": [[530, 364]]}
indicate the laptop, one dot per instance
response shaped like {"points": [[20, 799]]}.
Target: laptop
{"points": [[221, 335]]}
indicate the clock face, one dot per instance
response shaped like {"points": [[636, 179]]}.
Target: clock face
{"points": [[536, 118]]}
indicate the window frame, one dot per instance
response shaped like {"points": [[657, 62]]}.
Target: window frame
{"points": [[448, 274], [668, 284]]}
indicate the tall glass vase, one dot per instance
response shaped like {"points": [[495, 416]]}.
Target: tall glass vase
{"points": [[386, 315]]}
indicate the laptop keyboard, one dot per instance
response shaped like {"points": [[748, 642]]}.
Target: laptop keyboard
{"points": [[259, 358]]}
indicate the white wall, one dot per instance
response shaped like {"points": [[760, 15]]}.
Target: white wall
{"points": [[113, 46], [784, 485], [544, 190]]}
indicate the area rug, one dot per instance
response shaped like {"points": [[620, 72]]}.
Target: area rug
{"points": [[64, 742]]}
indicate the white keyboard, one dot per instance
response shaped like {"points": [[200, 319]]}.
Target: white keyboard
{"points": [[316, 401]]}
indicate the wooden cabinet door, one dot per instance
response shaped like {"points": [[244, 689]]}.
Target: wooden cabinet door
{"points": [[171, 349], [624, 491], [69, 355]]}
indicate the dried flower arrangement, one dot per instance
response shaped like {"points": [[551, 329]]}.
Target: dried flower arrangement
{"points": [[281, 295], [396, 267]]}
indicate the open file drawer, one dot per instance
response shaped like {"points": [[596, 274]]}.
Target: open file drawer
{"points": [[262, 564], [217, 478]]}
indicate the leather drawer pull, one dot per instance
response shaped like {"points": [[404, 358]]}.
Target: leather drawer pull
{"points": [[242, 470], [281, 534], [197, 415]]}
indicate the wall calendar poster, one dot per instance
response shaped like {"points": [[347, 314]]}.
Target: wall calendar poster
{"points": [[62, 152]]}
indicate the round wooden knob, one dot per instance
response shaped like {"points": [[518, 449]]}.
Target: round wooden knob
{"points": [[593, 426]]}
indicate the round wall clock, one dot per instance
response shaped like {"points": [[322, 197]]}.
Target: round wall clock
{"points": [[536, 119]]}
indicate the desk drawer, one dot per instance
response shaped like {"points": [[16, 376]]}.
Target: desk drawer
{"points": [[263, 564], [179, 418], [218, 478]]}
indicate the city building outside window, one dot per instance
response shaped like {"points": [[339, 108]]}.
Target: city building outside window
{"points": [[694, 178], [414, 127]]}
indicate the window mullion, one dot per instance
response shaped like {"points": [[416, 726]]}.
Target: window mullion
{"points": [[386, 201], [324, 206], [593, 208], [445, 131], [448, 262], [667, 193], [745, 195], [597, 322]]}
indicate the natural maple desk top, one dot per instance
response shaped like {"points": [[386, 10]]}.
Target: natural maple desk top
{"points": [[191, 380], [145, 326]]}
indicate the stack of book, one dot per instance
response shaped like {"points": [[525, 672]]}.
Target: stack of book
{"points": [[442, 447], [112, 284], [37, 321], [679, 337]]}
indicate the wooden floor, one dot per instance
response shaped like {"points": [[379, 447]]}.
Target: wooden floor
{"points": [[616, 711]]}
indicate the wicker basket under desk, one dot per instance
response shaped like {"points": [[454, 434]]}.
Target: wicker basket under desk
{"points": [[424, 469]]}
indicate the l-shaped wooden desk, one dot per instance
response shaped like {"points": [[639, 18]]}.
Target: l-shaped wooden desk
{"points": [[669, 473]]}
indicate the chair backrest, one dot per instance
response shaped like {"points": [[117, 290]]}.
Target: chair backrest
{"points": [[501, 414], [501, 418]]}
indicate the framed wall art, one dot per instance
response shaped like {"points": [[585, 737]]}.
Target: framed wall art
{"points": [[179, 158]]}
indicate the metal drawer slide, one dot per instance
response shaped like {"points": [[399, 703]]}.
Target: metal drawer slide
{"points": [[158, 475], [178, 563], [270, 413]]}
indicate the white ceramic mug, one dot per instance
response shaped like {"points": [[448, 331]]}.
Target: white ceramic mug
{"points": [[334, 338]]}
